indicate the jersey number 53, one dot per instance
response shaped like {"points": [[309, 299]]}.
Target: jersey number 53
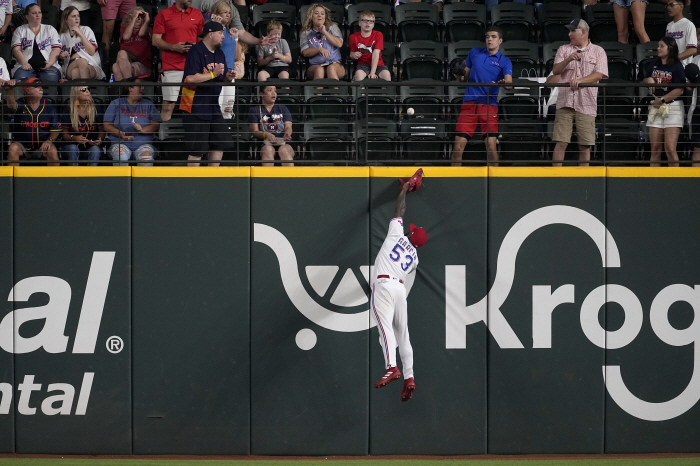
{"points": [[395, 256]]}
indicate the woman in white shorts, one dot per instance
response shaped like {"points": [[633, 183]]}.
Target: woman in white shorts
{"points": [[666, 111], [622, 10]]}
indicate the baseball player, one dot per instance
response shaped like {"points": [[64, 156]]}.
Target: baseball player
{"points": [[396, 259]]}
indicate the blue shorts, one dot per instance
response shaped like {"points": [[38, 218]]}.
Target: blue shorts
{"points": [[626, 3]]}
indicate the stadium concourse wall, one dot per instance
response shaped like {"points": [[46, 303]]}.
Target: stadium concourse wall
{"points": [[225, 311]]}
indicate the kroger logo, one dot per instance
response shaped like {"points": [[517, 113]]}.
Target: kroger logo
{"points": [[349, 292]]}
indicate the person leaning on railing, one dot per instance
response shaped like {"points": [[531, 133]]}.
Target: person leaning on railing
{"points": [[272, 124], [82, 127], [131, 123]]}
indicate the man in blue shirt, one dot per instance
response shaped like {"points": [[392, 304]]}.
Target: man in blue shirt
{"points": [[205, 127], [483, 65]]}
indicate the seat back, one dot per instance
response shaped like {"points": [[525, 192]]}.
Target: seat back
{"points": [[644, 54], [382, 18], [375, 101], [422, 59], [328, 102], [244, 14], [520, 102], [516, 19], [377, 140], [601, 19], [328, 140], [417, 21], [655, 21], [464, 21], [553, 17], [285, 14], [521, 141], [620, 59], [423, 140], [523, 55], [425, 97]]}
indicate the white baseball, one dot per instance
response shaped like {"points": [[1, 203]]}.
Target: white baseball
{"points": [[410, 111]]}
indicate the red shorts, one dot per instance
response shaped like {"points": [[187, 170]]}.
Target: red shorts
{"points": [[472, 114], [114, 7]]}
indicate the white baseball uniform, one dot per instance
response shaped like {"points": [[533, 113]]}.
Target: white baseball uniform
{"points": [[396, 259], [5, 9], [684, 33], [47, 40], [4, 72], [74, 44]]}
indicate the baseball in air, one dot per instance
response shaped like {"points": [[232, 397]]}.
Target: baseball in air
{"points": [[410, 111]]}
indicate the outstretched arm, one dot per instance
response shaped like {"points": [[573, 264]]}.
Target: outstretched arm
{"points": [[400, 207]]}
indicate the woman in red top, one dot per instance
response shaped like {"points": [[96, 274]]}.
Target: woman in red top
{"points": [[134, 58]]}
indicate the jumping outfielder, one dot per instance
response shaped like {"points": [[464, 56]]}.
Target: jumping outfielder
{"points": [[396, 259]]}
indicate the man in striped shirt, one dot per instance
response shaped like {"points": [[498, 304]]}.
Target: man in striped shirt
{"points": [[577, 63]]}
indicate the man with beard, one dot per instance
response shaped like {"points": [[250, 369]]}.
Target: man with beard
{"points": [[203, 122]]}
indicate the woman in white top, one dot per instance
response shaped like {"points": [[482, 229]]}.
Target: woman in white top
{"points": [[79, 52], [36, 47]]}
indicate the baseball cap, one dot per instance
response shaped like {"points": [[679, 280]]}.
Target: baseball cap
{"points": [[692, 72], [211, 26], [29, 81], [577, 24], [418, 236]]}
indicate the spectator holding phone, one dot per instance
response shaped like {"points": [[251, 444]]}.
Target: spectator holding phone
{"points": [[321, 41], [134, 58], [82, 127]]}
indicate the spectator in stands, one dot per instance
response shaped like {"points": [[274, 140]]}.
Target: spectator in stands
{"points": [[205, 6], [321, 41], [35, 127], [272, 124], [175, 32], [204, 125], [274, 59], [366, 47], [87, 18], [134, 58], [622, 10], [5, 80], [479, 105], [5, 16], [235, 24], [221, 12], [110, 9], [79, 48], [666, 111], [82, 127], [683, 30], [577, 62], [36, 47], [131, 123]]}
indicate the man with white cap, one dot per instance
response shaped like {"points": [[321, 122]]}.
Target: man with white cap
{"points": [[576, 63]]}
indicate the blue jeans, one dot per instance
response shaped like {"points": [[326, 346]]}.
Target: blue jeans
{"points": [[73, 152], [52, 74]]}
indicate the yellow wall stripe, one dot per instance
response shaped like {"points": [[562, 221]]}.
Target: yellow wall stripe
{"points": [[190, 172], [547, 172], [309, 172], [60, 172], [437, 172], [7, 171], [655, 172]]}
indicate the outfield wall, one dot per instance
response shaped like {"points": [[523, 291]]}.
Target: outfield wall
{"points": [[225, 311]]}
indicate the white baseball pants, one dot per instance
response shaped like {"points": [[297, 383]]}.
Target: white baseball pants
{"points": [[390, 311]]}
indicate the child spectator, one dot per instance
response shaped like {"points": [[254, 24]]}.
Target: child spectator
{"points": [[134, 58], [274, 59], [79, 48], [272, 124], [36, 47], [366, 47], [82, 127], [321, 41], [239, 65]]}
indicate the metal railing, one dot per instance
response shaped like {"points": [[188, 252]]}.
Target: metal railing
{"points": [[375, 122]]}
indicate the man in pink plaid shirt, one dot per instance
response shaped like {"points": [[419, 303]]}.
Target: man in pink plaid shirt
{"points": [[577, 63]]}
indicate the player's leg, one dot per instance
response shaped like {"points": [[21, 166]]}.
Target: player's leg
{"points": [[400, 326], [382, 303]]}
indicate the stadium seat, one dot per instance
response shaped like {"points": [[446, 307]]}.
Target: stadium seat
{"points": [[284, 14], [417, 21], [425, 97], [377, 140], [644, 55], [328, 140], [382, 18], [244, 13], [455, 96], [521, 141], [422, 59], [458, 51], [553, 17], [601, 20], [325, 100], [524, 56], [171, 135], [617, 103], [423, 140], [655, 21], [375, 100], [620, 142], [516, 19], [520, 102], [464, 21], [620, 59]]}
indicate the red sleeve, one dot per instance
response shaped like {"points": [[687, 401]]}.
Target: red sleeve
{"points": [[200, 23], [159, 24], [379, 41]]}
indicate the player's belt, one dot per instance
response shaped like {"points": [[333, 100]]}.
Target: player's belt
{"points": [[389, 276]]}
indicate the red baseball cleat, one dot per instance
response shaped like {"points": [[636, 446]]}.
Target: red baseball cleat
{"points": [[408, 387], [390, 375], [414, 182]]}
